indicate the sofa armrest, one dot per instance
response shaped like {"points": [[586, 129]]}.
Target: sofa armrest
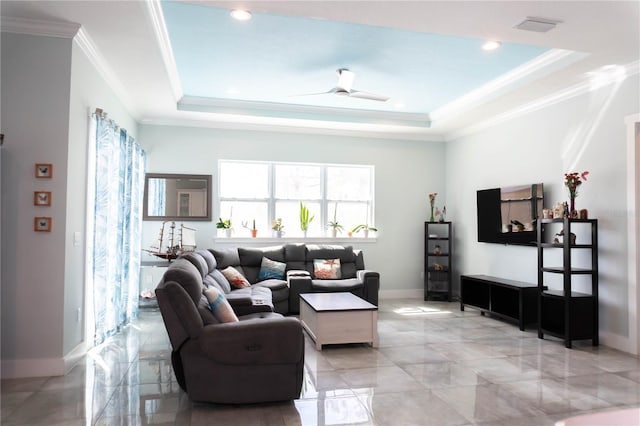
{"points": [[260, 341], [297, 273], [371, 282], [298, 284]]}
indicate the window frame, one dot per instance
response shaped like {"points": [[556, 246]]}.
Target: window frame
{"points": [[325, 215]]}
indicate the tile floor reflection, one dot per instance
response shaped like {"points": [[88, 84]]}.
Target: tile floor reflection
{"points": [[435, 365]]}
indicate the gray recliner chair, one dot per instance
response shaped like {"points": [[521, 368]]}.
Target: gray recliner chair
{"points": [[258, 359]]}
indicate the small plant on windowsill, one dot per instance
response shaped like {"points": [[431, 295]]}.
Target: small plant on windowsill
{"points": [[365, 228], [334, 225], [277, 226], [224, 224], [305, 218], [253, 230]]}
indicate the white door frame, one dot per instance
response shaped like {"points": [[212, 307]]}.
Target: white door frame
{"points": [[633, 226]]}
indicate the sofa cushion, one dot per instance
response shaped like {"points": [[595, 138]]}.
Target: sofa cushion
{"points": [[226, 257], [271, 269], [235, 278], [197, 261], [217, 279], [326, 269], [336, 285], [219, 305], [295, 256], [208, 257], [272, 284], [188, 276], [345, 254]]}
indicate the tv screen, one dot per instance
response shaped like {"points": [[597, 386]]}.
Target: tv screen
{"points": [[508, 215]]}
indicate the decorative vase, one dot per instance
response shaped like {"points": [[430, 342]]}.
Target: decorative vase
{"points": [[366, 233], [334, 232], [254, 233], [572, 205], [278, 234], [304, 233], [227, 232], [432, 218]]}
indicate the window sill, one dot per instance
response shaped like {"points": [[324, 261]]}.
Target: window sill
{"points": [[286, 240]]}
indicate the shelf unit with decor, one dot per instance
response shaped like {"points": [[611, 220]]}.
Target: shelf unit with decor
{"points": [[438, 251], [564, 312]]}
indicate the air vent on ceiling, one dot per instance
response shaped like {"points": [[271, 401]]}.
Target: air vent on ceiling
{"points": [[539, 25]]}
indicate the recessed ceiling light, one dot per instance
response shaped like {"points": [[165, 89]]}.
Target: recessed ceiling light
{"points": [[491, 45], [241, 14]]}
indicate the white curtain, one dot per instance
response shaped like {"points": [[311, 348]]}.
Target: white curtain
{"points": [[116, 224]]}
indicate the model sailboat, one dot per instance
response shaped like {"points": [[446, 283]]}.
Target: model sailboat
{"points": [[184, 243]]}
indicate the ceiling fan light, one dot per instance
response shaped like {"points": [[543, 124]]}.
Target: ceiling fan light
{"points": [[240, 14]]}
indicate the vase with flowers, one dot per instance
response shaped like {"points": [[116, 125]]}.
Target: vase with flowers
{"points": [[432, 202], [572, 181]]}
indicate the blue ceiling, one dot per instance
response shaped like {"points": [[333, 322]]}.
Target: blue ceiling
{"points": [[278, 58]]}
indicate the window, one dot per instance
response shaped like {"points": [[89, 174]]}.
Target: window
{"points": [[264, 191]]}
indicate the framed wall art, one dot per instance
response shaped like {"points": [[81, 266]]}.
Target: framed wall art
{"points": [[42, 224], [42, 198], [44, 170]]}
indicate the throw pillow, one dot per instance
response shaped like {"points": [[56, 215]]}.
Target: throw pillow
{"points": [[271, 269], [235, 278], [326, 269], [220, 306]]}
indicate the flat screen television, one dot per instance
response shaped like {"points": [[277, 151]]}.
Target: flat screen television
{"points": [[508, 215]]}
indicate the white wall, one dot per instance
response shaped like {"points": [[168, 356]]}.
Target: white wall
{"points": [[35, 120], [406, 171], [582, 133]]}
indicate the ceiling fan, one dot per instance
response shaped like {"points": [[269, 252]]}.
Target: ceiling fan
{"points": [[343, 88]]}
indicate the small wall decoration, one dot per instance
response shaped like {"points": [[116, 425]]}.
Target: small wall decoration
{"points": [[44, 170], [42, 198], [42, 224]]}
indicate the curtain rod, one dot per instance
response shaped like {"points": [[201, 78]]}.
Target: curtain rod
{"points": [[99, 112]]}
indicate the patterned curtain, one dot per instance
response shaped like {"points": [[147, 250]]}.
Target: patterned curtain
{"points": [[157, 197], [117, 226]]}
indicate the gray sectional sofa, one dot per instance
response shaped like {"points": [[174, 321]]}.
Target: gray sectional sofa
{"points": [[299, 275], [259, 358]]}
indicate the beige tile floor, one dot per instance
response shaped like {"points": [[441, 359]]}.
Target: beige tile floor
{"points": [[435, 365]]}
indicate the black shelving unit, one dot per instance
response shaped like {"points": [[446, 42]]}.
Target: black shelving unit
{"points": [[566, 313], [438, 251]]}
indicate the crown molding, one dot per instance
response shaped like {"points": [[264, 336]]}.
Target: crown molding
{"points": [[84, 42], [162, 36], [306, 127], [538, 67], [302, 112], [581, 88], [39, 28]]}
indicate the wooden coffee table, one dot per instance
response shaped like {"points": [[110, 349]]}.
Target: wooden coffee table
{"points": [[339, 318]]}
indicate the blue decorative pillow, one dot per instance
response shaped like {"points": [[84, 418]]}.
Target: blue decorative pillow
{"points": [[271, 269], [220, 306]]}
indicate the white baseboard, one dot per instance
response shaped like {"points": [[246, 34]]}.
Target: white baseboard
{"points": [[615, 341], [42, 367]]}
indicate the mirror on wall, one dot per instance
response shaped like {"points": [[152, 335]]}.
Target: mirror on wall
{"points": [[177, 197]]}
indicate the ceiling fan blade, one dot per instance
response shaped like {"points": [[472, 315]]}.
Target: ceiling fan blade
{"points": [[327, 92], [369, 96]]}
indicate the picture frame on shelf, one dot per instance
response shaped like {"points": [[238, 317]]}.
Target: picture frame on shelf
{"points": [[42, 198], [42, 224], [44, 170]]}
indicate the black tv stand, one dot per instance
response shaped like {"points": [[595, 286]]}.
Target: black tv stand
{"points": [[511, 300]]}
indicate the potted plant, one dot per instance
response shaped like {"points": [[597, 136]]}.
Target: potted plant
{"points": [[334, 225], [277, 226], [364, 227], [305, 218], [253, 230], [224, 224]]}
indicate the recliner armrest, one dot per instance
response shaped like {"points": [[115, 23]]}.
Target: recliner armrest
{"points": [[298, 284], [260, 341], [297, 273]]}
